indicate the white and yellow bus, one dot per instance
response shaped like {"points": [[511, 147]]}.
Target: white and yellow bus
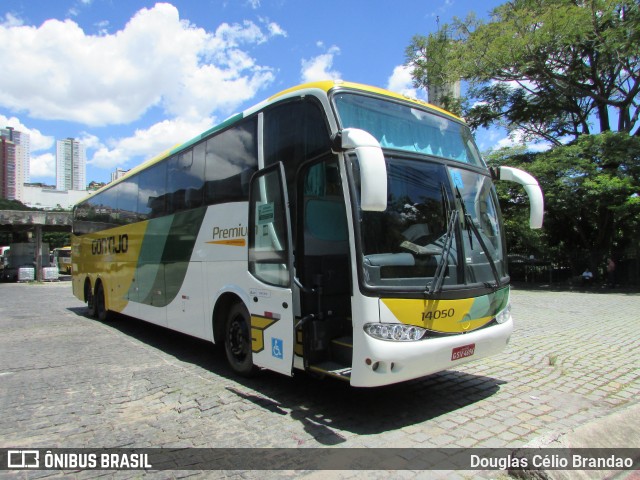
{"points": [[62, 259], [335, 228]]}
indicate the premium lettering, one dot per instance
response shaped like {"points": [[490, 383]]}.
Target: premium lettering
{"points": [[226, 233]]}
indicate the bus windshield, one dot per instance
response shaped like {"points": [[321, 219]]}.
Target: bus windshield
{"points": [[438, 218], [406, 127]]}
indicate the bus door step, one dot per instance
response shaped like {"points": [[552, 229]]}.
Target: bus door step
{"points": [[332, 369], [342, 350]]}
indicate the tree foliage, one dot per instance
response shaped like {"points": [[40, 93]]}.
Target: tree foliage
{"points": [[592, 199], [6, 204], [566, 72], [543, 67], [57, 239]]}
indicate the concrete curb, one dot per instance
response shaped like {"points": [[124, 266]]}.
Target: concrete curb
{"points": [[619, 429]]}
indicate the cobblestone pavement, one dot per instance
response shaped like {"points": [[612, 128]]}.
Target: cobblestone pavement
{"points": [[70, 381]]}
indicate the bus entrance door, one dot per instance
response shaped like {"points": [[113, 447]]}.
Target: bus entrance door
{"points": [[270, 265]]}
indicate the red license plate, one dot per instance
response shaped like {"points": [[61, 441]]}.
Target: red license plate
{"points": [[463, 351]]}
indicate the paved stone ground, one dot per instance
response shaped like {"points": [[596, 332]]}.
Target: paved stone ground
{"points": [[70, 381]]}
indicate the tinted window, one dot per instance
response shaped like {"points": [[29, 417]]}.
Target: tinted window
{"points": [[151, 191], [108, 205], [231, 158], [268, 237], [85, 218], [128, 200], [185, 178], [98, 212], [406, 127], [295, 132]]}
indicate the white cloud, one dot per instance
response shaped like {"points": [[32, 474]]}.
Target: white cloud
{"points": [[230, 36], [103, 27], [56, 71], [276, 30], [518, 138], [401, 82], [144, 144], [10, 20], [43, 165], [320, 67], [90, 142], [37, 140]]}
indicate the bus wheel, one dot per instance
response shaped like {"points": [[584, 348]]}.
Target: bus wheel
{"points": [[237, 341], [100, 304], [91, 300]]}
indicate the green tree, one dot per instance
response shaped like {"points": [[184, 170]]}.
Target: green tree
{"points": [[547, 68], [592, 197], [13, 205], [57, 239], [566, 72]]}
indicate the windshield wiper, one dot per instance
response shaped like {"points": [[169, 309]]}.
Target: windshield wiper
{"points": [[436, 283], [466, 215], [471, 227], [483, 245]]}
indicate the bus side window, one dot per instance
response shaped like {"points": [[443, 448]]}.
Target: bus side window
{"points": [[185, 178], [324, 217], [151, 188], [128, 200], [295, 132], [108, 204], [231, 159]]}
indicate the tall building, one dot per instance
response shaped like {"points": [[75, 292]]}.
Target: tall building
{"points": [[119, 173], [15, 157], [437, 93], [71, 165], [7, 169]]}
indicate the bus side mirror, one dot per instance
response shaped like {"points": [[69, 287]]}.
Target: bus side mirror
{"points": [[373, 169], [534, 192]]}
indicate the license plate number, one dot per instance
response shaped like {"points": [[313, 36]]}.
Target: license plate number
{"points": [[463, 351]]}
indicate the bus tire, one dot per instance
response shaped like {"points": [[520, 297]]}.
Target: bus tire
{"points": [[237, 341], [90, 299], [102, 313]]}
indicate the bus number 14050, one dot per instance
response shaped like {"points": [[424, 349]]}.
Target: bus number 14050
{"points": [[438, 314]]}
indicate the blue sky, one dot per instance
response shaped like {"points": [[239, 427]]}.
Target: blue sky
{"points": [[133, 78]]}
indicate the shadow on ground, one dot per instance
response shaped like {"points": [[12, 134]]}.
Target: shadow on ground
{"points": [[321, 405]]}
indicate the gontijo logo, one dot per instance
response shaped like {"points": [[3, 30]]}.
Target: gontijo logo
{"points": [[234, 236], [112, 244]]}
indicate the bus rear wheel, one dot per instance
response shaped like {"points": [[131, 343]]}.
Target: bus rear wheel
{"points": [[237, 341], [100, 305], [90, 299]]}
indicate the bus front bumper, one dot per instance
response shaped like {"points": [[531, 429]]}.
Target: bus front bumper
{"points": [[380, 362]]}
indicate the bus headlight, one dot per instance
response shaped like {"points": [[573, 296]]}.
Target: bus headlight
{"points": [[504, 315], [395, 332]]}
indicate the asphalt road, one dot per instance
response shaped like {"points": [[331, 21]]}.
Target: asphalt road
{"points": [[67, 380]]}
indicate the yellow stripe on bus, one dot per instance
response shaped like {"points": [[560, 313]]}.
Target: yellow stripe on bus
{"points": [[446, 316], [258, 325], [234, 242]]}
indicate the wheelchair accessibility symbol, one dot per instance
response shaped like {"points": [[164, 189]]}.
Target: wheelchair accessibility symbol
{"points": [[277, 350]]}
